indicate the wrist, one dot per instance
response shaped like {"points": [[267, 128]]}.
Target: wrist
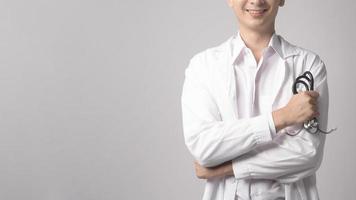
{"points": [[228, 169], [280, 118], [224, 170]]}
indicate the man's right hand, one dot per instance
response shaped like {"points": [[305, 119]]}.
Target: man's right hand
{"points": [[300, 108]]}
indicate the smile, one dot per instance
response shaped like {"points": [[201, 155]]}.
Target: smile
{"points": [[256, 13]]}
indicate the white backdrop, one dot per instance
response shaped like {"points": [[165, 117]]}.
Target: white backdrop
{"points": [[90, 94]]}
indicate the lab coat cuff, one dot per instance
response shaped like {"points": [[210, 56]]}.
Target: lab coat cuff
{"points": [[241, 169], [272, 126], [263, 133]]}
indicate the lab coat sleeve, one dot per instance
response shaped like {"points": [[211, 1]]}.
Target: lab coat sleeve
{"points": [[210, 140], [289, 158]]}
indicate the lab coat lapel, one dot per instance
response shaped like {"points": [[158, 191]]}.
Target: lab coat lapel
{"points": [[284, 73], [231, 88]]}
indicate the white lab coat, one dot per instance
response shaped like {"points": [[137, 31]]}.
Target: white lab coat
{"points": [[214, 133]]}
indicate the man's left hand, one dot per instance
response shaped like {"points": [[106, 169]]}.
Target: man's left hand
{"points": [[222, 170]]}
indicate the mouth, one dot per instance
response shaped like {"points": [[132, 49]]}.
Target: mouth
{"points": [[256, 12]]}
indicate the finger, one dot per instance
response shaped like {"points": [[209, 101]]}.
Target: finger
{"points": [[312, 93], [313, 102], [315, 114], [315, 111]]}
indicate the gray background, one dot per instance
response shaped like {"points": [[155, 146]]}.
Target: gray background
{"points": [[90, 94]]}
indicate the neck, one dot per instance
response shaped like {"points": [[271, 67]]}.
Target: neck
{"points": [[256, 40]]}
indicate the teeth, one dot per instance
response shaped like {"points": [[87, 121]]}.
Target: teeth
{"points": [[255, 11]]}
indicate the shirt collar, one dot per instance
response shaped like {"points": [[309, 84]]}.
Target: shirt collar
{"points": [[238, 45]]}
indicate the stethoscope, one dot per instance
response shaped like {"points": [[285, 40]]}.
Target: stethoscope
{"points": [[307, 81]]}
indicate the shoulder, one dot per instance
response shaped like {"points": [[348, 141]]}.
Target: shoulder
{"points": [[313, 63], [309, 57], [307, 60], [214, 53], [205, 60], [300, 52]]}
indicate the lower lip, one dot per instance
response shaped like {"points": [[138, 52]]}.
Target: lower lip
{"points": [[256, 14]]}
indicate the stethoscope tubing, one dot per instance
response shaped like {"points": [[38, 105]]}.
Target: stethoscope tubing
{"points": [[312, 126]]}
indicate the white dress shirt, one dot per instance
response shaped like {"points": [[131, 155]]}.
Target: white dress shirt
{"points": [[251, 103], [227, 103]]}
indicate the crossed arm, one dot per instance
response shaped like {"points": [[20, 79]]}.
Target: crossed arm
{"points": [[226, 168], [225, 148], [299, 165]]}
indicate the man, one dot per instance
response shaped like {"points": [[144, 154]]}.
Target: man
{"points": [[239, 112]]}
